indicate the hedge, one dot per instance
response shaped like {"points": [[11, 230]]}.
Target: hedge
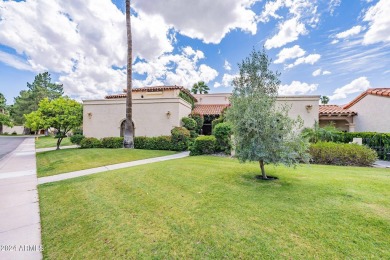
{"points": [[189, 123], [76, 139], [222, 133], [90, 142], [112, 142], [153, 143], [204, 144], [180, 138], [342, 154], [380, 142]]}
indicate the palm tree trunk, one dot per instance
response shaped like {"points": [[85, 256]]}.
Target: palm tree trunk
{"points": [[262, 169], [128, 141]]}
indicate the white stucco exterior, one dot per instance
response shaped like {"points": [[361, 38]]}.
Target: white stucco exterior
{"points": [[373, 114], [151, 116], [17, 129]]}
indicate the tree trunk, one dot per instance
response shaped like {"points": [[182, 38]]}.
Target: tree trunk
{"points": [[58, 143], [262, 169], [128, 140], [1, 128]]}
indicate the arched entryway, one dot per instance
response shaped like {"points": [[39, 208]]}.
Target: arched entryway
{"points": [[122, 129]]}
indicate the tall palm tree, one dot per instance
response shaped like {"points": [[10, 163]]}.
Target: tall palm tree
{"points": [[201, 87], [324, 100], [128, 141]]}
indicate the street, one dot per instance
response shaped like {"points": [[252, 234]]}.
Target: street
{"points": [[8, 144]]}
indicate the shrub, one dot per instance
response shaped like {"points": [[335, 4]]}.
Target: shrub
{"points": [[204, 144], [222, 133], [216, 121], [90, 142], [153, 143], [342, 154], [76, 139], [193, 134], [189, 123], [14, 133], [199, 121], [5, 133], [112, 142], [180, 138], [78, 131]]}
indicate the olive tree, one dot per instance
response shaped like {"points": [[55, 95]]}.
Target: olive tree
{"points": [[262, 129]]}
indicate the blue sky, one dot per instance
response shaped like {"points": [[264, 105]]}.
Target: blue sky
{"points": [[337, 48]]}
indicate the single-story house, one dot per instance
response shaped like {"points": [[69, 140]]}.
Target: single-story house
{"points": [[368, 112], [156, 110]]}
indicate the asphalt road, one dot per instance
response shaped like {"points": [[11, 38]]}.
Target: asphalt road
{"points": [[8, 144]]}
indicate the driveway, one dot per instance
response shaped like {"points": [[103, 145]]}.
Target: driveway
{"points": [[8, 144]]}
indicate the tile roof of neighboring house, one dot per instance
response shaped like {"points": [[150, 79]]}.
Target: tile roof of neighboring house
{"points": [[152, 89], [209, 109], [384, 92], [335, 110]]}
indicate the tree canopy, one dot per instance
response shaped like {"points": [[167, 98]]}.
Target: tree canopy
{"points": [[63, 114], [262, 129], [200, 87], [28, 100], [4, 115], [324, 100]]}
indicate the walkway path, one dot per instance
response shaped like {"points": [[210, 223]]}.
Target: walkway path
{"points": [[20, 227], [54, 148], [71, 175], [382, 164]]}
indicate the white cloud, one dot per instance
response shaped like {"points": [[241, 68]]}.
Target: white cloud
{"points": [[348, 33], [227, 65], [379, 23], [227, 79], [302, 13], [289, 31], [309, 59], [333, 4], [207, 20], [318, 72], [217, 85], [14, 61], [358, 85], [297, 88], [289, 53], [334, 41]]}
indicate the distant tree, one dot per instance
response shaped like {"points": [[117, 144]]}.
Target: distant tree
{"points": [[4, 115], [262, 130], [324, 100], [200, 87], [128, 140], [63, 114], [28, 100]]}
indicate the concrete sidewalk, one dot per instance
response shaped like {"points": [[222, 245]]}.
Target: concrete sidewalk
{"points": [[382, 164], [39, 150], [20, 228], [71, 175]]}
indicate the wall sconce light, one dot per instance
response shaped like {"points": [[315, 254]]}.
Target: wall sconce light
{"points": [[168, 114], [89, 115], [308, 108]]}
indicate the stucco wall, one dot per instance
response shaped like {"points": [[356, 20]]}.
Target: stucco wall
{"points": [[373, 114], [307, 107], [213, 99], [18, 129], [102, 118]]}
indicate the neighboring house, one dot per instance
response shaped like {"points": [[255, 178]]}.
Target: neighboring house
{"points": [[156, 110], [341, 118], [373, 110]]}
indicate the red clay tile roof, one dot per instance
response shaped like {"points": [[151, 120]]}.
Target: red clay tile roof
{"points": [[152, 89], [384, 92], [209, 109], [335, 110]]}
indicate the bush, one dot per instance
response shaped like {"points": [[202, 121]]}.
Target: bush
{"points": [[112, 142], [76, 139], [180, 138], [216, 121], [193, 134], [199, 122], [90, 142], [189, 123], [204, 144], [342, 154], [222, 133], [153, 143], [78, 131], [14, 133]]}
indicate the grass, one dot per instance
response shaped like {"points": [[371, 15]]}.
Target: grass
{"points": [[209, 207], [68, 160], [50, 141]]}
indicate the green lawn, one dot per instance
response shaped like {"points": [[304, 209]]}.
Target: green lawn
{"points": [[68, 160], [50, 141], [210, 207]]}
